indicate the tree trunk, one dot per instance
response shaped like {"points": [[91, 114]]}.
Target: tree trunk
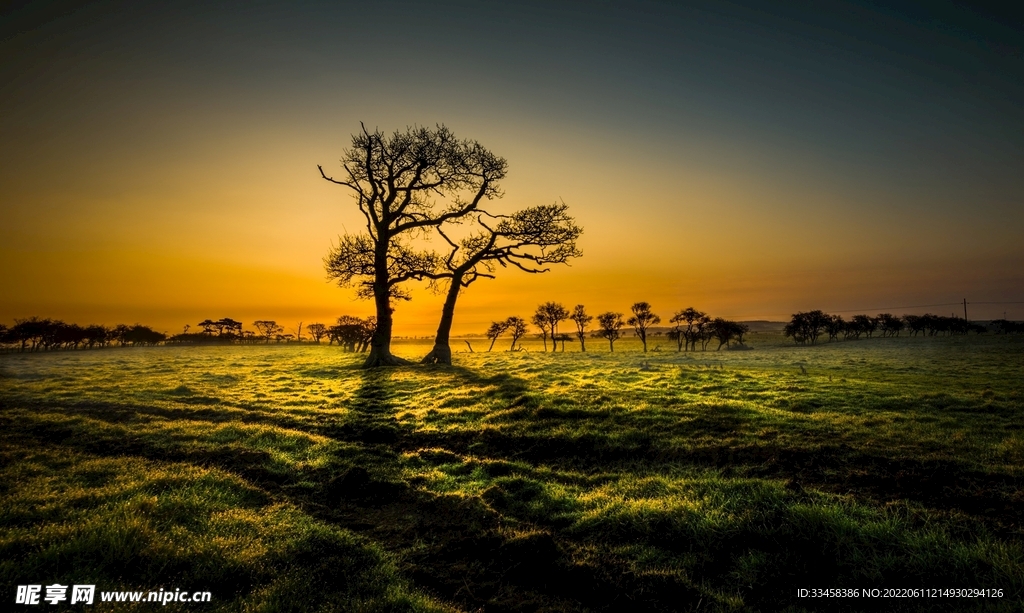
{"points": [[380, 342], [442, 351]]}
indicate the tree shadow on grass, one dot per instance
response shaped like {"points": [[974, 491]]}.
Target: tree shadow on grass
{"points": [[461, 547]]}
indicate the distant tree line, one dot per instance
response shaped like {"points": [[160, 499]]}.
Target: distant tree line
{"points": [[690, 327], [34, 334], [808, 327]]}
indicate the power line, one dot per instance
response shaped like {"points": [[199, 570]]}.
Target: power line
{"points": [[917, 306]]}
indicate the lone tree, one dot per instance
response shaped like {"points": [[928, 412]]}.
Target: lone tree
{"points": [[517, 328], [267, 328], [405, 184], [497, 329], [529, 240], [547, 318], [540, 321], [642, 319], [582, 320], [317, 331], [611, 326]]}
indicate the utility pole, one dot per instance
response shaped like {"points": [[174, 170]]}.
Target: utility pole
{"points": [[965, 309]]}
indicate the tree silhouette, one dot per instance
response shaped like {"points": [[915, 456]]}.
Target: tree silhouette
{"points": [[497, 329], [694, 321], [643, 318], [352, 333], [267, 328], [399, 182], [835, 326], [540, 320], [582, 320], [890, 324], [516, 327], [528, 240], [554, 313], [806, 327], [228, 327], [610, 327], [317, 331], [725, 331]]}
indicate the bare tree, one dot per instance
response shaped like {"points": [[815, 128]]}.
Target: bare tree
{"points": [[404, 184], [497, 329], [529, 240], [267, 328], [316, 331], [643, 318], [547, 317], [695, 321], [540, 320], [517, 327], [582, 320], [611, 328]]}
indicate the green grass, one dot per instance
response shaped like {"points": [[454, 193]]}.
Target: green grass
{"points": [[286, 478]]}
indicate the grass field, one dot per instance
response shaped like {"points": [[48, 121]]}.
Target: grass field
{"points": [[285, 478]]}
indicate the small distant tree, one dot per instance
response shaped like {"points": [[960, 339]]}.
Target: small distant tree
{"points": [[317, 331], [914, 323], [643, 318], [610, 328], [690, 324], [582, 320], [805, 327], [142, 335], [517, 328], [119, 334], [228, 327], [267, 328], [547, 317], [208, 326], [890, 324], [725, 331], [497, 329], [352, 333], [835, 326], [541, 322]]}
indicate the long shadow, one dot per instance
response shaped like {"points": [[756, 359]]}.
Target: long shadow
{"points": [[460, 547]]}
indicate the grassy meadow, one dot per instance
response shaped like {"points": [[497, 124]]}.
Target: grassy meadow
{"points": [[285, 478]]}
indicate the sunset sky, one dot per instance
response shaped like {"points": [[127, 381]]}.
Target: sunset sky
{"points": [[158, 165]]}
